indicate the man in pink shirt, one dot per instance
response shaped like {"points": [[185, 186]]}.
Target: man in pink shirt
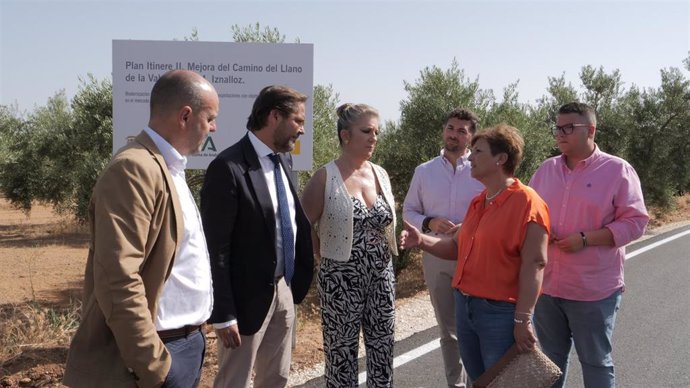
{"points": [[596, 207]]}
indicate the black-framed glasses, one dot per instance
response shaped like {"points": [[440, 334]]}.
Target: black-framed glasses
{"points": [[566, 129]]}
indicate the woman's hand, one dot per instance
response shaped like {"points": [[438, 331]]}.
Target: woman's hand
{"points": [[410, 237], [524, 335]]}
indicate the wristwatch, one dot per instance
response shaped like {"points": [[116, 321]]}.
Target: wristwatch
{"points": [[425, 224]]}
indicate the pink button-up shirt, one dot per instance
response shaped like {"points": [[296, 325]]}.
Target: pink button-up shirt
{"points": [[601, 191]]}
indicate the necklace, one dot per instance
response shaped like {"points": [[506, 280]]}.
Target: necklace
{"points": [[491, 197]]}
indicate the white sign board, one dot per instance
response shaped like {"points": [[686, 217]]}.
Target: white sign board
{"points": [[237, 70]]}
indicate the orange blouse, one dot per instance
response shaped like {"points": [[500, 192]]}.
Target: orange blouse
{"points": [[490, 241]]}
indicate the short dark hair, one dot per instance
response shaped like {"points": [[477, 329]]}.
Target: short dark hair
{"points": [[282, 98], [173, 90], [506, 139], [580, 108], [463, 114]]}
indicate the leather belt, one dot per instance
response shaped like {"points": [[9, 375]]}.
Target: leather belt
{"points": [[177, 333]]}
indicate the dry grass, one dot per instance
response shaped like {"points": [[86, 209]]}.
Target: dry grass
{"points": [[32, 334], [679, 212], [32, 325]]}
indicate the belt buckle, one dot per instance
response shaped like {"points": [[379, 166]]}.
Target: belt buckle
{"points": [[188, 329]]}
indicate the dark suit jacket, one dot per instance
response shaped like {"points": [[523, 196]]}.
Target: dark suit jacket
{"points": [[239, 224]]}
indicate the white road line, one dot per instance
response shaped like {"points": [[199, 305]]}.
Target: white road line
{"points": [[656, 244], [409, 356], [435, 344]]}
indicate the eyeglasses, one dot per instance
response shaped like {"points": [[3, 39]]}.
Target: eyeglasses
{"points": [[566, 129]]}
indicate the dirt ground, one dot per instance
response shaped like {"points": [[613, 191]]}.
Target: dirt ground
{"points": [[42, 257]]}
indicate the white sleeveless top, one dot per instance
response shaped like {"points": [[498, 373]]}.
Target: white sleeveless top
{"points": [[336, 222]]}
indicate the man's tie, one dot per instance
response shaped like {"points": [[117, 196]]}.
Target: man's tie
{"points": [[285, 222]]}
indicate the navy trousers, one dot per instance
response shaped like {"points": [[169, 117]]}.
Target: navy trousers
{"points": [[187, 358]]}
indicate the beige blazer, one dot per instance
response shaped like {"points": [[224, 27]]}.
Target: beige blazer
{"points": [[136, 221]]}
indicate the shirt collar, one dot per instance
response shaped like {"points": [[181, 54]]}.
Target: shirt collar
{"points": [[500, 198], [173, 159], [507, 192], [587, 161], [461, 160], [262, 150], [595, 155]]}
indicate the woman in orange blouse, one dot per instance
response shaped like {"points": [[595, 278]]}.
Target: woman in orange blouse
{"points": [[500, 250]]}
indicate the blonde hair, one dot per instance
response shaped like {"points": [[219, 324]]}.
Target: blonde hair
{"points": [[348, 114]]}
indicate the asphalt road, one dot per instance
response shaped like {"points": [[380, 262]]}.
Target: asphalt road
{"points": [[651, 338]]}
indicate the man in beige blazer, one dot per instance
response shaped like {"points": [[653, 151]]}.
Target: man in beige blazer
{"points": [[147, 286]]}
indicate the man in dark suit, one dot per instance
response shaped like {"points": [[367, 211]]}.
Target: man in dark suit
{"points": [[260, 244]]}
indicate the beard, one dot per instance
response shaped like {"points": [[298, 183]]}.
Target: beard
{"points": [[451, 147], [282, 140], [284, 143]]}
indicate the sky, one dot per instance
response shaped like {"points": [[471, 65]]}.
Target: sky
{"points": [[366, 50]]}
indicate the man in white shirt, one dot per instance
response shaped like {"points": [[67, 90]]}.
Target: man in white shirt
{"points": [[436, 203], [260, 244], [147, 286]]}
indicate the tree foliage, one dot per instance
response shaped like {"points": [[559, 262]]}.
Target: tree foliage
{"points": [[56, 153], [532, 123], [254, 33], [325, 139], [90, 140], [604, 92], [657, 134], [417, 137], [31, 170], [650, 128]]}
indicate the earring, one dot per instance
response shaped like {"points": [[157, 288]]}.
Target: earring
{"points": [[498, 163], [346, 142]]}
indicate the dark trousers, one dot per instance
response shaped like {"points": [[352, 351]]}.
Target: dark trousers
{"points": [[187, 354]]}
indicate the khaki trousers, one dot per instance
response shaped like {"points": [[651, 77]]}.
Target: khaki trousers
{"points": [[438, 275], [268, 352]]}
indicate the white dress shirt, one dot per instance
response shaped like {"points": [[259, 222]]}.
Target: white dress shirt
{"points": [[262, 150], [187, 295]]}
